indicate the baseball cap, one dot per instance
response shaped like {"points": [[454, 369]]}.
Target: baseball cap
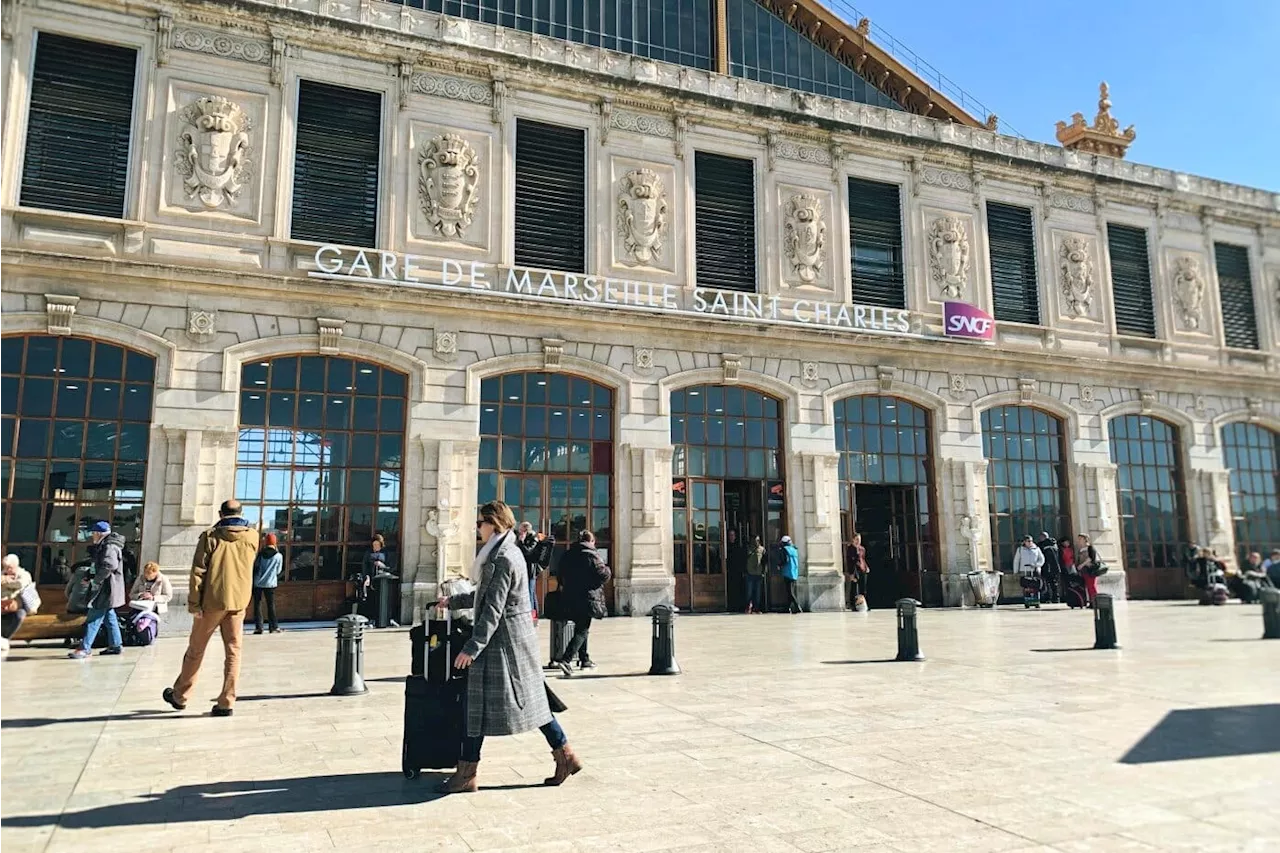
{"points": [[101, 527]]}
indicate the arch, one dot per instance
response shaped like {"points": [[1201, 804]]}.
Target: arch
{"points": [[535, 362], [935, 405], [1236, 416], [108, 331], [234, 357], [715, 376], [1045, 403], [1186, 426]]}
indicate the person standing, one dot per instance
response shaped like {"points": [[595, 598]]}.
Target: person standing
{"points": [[736, 562], [1066, 557], [220, 587], [267, 568], [536, 550], [1271, 566], [757, 561], [855, 572], [1052, 567], [107, 553], [582, 578], [506, 693], [1087, 565], [789, 567]]}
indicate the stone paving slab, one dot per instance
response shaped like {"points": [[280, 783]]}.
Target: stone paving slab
{"points": [[783, 734]]}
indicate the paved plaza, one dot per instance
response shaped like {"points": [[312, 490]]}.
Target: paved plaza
{"points": [[783, 734]]}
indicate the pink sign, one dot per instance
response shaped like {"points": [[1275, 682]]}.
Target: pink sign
{"points": [[962, 320]]}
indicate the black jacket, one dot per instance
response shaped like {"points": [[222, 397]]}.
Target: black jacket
{"points": [[537, 555], [1052, 558], [582, 578]]}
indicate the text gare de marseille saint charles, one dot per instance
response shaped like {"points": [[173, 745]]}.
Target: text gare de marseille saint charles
{"points": [[394, 268]]}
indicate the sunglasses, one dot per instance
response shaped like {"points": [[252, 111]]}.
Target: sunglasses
{"points": [[480, 522]]}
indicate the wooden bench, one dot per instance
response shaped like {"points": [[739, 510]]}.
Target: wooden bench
{"points": [[52, 622]]}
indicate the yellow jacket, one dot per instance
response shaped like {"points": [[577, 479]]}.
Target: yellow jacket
{"points": [[222, 568]]}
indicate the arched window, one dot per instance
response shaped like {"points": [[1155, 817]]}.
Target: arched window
{"points": [[1026, 478], [546, 450], [886, 494], [1252, 454], [77, 425], [1147, 453], [319, 461]]}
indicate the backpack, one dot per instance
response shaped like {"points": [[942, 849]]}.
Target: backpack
{"points": [[142, 629]]}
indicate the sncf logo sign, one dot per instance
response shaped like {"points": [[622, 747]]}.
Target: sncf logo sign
{"points": [[962, 320]]}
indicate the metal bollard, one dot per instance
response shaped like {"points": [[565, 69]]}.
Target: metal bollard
{"points": [[383, 581], [348, 666], [1104, 622], [1270, 599], [663, 659], [561, 634], [908, 637]]}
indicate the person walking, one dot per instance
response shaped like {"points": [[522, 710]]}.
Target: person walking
{"points": [[267, 568], [582, 578], [506, 693], [855, 573], [152, 585], [789, 567], [107, 553], [1086, 565], [220, 587], [757, 561], [1052, 567]]}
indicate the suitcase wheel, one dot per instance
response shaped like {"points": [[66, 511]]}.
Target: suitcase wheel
{"points": [[409, 771]]}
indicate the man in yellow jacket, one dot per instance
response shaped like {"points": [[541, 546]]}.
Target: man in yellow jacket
{"points": [[221, 586]]}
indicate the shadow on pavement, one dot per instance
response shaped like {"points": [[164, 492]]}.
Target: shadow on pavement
{"points": [[40, 722], [1209, 733], [580, 677], [1075, 649], [851, 662], [220, 801], [266, 696]]}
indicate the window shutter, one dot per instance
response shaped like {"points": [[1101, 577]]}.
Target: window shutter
{"points": [[875, 243], [1131, 281], [1014, 288], [335, 167], [551, 192], [77, 154], [725, 226], [1235, 292]]}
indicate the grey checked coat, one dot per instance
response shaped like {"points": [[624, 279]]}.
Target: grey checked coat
{"points": [[505, 688]]}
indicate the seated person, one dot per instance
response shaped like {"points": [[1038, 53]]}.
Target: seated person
{"points": [[152, 585]]}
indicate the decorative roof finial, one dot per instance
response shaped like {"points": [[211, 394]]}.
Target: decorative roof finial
{"points": [[992, 123], [1104, 137]]}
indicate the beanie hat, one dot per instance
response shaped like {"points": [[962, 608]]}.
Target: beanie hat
{"points": [[101, 527], [270, 540]]}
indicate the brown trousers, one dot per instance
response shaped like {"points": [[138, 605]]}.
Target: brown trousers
{"points": [[231, 624]]}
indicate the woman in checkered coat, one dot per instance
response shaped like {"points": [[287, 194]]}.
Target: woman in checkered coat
{"points": [[506, 693]]}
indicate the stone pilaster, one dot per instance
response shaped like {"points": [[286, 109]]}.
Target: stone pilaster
{"points": [[821, 583], [647, 581], [1098, 515], [965, 540]]}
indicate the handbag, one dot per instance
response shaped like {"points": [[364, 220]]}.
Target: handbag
{"points": [[1099, 569], [30, 598], [597, 605], [553, 701], [83, 591]]}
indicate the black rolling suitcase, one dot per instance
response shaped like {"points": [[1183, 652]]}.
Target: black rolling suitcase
{"points": [[434, 704]]}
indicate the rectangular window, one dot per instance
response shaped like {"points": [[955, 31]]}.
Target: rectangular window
{"points": [[1131, 281], [875, 243], [77, 154], [335, 166], [725, 221], [1014, 288], [1235, 291], [551, 191]]}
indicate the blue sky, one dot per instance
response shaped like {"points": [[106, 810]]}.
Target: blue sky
{"points": [[1201, 81]]}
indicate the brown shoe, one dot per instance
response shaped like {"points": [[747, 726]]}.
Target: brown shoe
{"points": [[463, 780], [567, 764]]}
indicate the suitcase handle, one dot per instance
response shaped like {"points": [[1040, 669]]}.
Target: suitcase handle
{"points": [[448, 647]]}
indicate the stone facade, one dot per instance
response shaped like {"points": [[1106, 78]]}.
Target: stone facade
{"points": [[202, 274]]}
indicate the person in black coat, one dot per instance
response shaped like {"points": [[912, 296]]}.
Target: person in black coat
{"points": [[582, 578], [1052, 568], [536, 549]]}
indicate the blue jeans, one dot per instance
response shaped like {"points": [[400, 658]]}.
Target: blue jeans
{"points": [[93, 623], [555, 736], [533, 593], [754, 586]]}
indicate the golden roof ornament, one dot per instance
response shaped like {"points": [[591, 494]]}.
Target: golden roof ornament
{"points": [[1104, 137]]}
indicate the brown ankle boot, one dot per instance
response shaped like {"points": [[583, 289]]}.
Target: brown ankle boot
{"points": [[463, 780], [566, 765]]}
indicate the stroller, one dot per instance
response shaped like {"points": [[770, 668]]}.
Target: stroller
{"points": [[1074, 592], [1031, 584]]}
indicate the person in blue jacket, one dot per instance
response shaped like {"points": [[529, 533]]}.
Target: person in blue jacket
{"points": [[789, 566]]}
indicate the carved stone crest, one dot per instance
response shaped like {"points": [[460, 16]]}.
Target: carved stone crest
{"points": [[1076, 263], [201, 324], [643, 361], [1188, 290], [642, 215], [958, 384], [809, 374], [448, 175], [213, 151], [949, 255], [805, 236], [446, 345]]}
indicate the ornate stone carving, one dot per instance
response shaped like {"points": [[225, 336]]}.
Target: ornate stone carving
{"points": [[1076, 261], [809, 374], [642, 362], [642, 123], [732, 364], [552, 351], [884, 376], [1070, 201], [1104, 137], [446, 345], [946, 178], [213, 150], [201, 325], [1147, 400], [785, 149], [1188, 290], [224, 45], [1254, 405], [1199, 405], [164, 36], [958, 384], [330, 332], [642, 215], [1087, 395], [454, 88], [805, 236], [59, 311], [949, 255], [1026, 389], [448, 177]]}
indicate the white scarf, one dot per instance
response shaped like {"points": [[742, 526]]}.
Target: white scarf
{"points": [[478, 565]]}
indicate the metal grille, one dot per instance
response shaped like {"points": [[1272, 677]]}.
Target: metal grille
{"points": [[335, 168], [551, 188], [875, 243], [1235, 291], [1251, 453], [1012, 239], [77, 155], [1131, 281], [725, 227]]}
